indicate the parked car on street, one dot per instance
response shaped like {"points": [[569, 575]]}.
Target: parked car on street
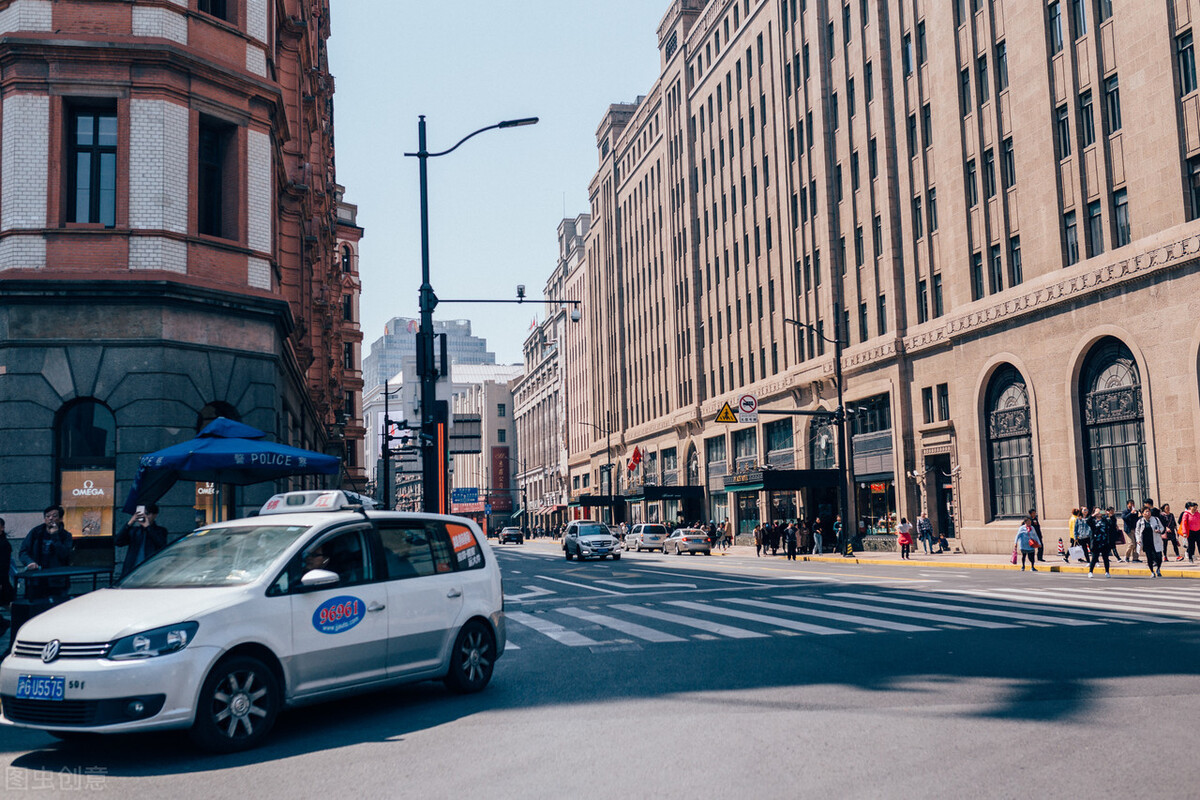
{"points": [[512, 535], [688, 540], [313, 598], [585, 538], [648, 536]]}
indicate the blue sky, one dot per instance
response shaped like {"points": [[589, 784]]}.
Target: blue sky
{"points": [[495, 203]]}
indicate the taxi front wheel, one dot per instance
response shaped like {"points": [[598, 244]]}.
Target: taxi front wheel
{"points": [[472, 659], [238, 705]]}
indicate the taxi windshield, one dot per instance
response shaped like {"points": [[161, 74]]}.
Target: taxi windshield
{"points": [[222, 556]]}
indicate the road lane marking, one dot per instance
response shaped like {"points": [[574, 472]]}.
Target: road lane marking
{"points": [[692, 622], [946, 618], [620, 585], [631, 628], [1032, 601], [587, 586], [985, 612], [1118, 602], [552, 629], [779, 622], [752, 584], [534, 591], [833, 615]]}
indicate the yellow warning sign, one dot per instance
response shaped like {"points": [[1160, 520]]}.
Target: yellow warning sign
{"points": [[726, 414]]}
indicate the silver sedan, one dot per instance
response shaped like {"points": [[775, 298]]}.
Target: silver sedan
{"points": [[688, 540]]}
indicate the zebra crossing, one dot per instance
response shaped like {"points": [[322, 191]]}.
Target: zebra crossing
{"points": [[610, 621]]}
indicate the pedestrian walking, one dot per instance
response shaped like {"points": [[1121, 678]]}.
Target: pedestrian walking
{"points": [[817, 534], [1027, 543], [904, 537], [1189, 526], [758, 540], [1101, 538], [925, 532], [1172, 529], [1130, 520], [142, 537], [789, 540], [1037, 531], [1083, 532], [1149, 534]]}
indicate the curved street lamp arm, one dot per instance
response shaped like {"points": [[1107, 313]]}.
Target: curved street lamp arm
{"points": [[812, 328], [508, 123]]}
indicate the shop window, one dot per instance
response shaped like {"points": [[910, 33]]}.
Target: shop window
{"points": [[86, 459], [822, 444]]}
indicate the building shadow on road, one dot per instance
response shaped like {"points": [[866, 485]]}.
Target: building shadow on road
{"points": [[1040, 673]]}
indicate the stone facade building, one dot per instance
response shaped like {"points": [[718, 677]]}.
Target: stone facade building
{"points": [[173, 247], [994, 207]]}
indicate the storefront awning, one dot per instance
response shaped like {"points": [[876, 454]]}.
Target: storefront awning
{"points": [[596, 500], [655, 493], [517, 514]]}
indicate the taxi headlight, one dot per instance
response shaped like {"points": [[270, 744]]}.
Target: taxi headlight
{"points": [[157, 642]]}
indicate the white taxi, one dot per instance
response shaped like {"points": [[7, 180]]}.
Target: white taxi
{"points": [[311, 599]]}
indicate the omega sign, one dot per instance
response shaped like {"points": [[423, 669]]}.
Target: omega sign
{"points": [[87, 490]]}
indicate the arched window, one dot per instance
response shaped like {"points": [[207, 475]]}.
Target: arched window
{"points": [[85, 446], [1010, 444], [693, 467], [822, 444], [214, 410], [1110, 395], [346, 258]]}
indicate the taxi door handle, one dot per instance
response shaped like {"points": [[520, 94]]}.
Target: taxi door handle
{"points": [[376, 607], [454, 593]]}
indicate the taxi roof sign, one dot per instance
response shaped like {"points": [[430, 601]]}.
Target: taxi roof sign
{"points": [[294, 502], [726, 414]]}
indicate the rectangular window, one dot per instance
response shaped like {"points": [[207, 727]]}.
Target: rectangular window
{"points": [[1105, 9], [93, 166], [1056, 35], [833, 110], [216, 196], [1087, 127], [863, 332], [1193, 178], [976, 276], [854, 171], [1001, 66], [906, 54], [858, 246], [1015, 275], [927, 404], [927, 125], [1121, 233], [216, 8], [1071, 238], [869, 79], [933, 219], [921, 50], [501, 410], [846, 23], [996, 270], [938, 308], [837, 183], [1095, 229], [982, 77], [872, 161], [964, 91], [501, 435], [878, 236], [912, 135], [1112, 103], [989, 173], [922, 301], [348, 355], [943, 401], [918, 218], [1079, 13], [1063, 131], [1187, 63], [881, 314], [348, 308], [850, 97], [1008, 164], [972, 187]]}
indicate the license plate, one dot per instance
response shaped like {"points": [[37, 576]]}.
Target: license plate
{"points": [[601, 549], [41, 687]]}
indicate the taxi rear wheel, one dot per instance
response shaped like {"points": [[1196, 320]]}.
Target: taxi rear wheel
{"points": [[472, 659], [238, 705]]}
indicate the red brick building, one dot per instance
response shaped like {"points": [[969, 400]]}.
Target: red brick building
{"points": [[173, 244]]}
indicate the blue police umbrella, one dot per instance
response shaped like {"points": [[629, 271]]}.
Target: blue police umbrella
{"points": [[224, 452]]}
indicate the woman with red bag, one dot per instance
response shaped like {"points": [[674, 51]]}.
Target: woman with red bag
{"points": [[1027, 542]]}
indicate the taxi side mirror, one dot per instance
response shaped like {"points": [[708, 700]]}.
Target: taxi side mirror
{"points": [[318, 577]]}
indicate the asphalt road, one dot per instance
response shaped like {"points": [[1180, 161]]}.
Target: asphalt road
{"points": [[693, 676]]}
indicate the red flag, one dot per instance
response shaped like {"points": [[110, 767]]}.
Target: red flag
{"points": [[637, 459]]}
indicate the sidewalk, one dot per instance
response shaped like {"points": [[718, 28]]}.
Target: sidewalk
{"points": [[1170, 569]]}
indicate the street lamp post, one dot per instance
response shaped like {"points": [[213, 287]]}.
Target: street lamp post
{"points": [[840, 417], [432, 472]]}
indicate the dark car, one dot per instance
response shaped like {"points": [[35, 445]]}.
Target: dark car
{"points": [[512, 535]]}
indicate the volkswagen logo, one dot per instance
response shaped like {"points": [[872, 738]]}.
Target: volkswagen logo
{"points": [[50, 651]]}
